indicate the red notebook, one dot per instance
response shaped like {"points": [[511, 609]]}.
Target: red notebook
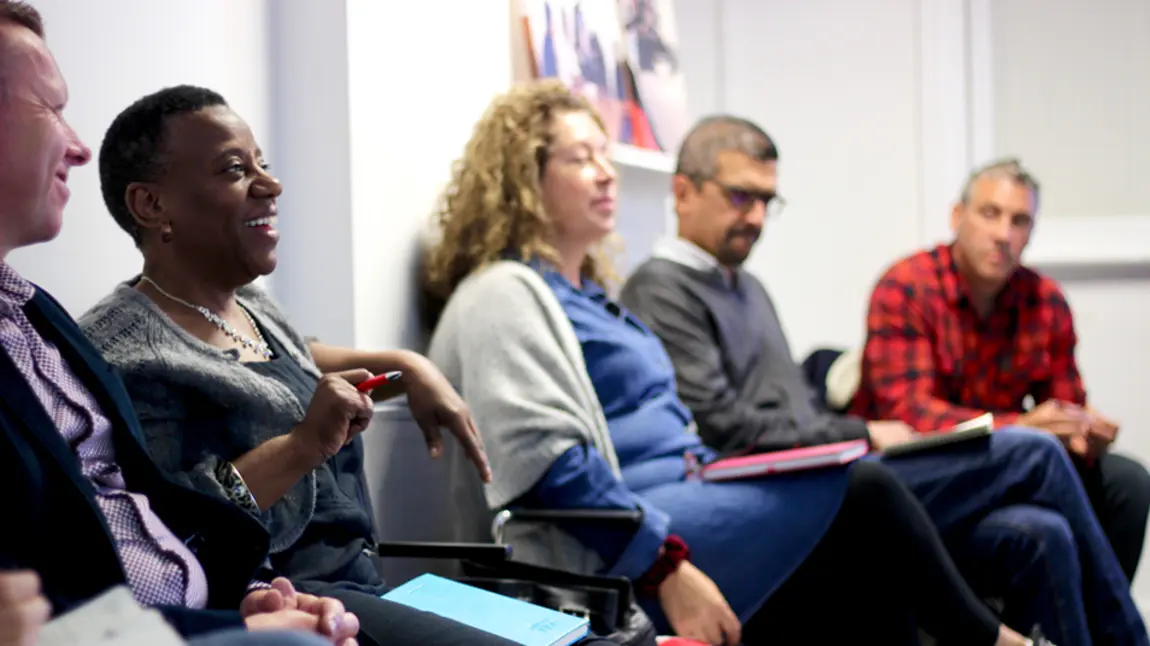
{"points": [[803, 459]]}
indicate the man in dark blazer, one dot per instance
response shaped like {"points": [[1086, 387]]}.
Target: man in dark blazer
{"points": [[85, 509]]}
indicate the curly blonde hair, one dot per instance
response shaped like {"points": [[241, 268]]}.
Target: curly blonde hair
{"points": [[493, 206]]}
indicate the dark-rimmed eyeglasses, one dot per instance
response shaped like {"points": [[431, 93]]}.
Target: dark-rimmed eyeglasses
{"points": [[744, 198]]}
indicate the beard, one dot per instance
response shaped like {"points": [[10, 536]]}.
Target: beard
{"points": [[737, 246]]}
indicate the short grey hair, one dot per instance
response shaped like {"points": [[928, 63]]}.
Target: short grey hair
{"points": [[1009, 168], [699, 152]]}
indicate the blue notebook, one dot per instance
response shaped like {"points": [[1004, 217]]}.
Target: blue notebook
{"points": [[512, 619]]}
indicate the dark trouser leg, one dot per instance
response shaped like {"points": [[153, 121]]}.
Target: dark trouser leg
{"points": [[961, 485], [240, 637], [1026, 556], [880, 567], [1119, 491]]}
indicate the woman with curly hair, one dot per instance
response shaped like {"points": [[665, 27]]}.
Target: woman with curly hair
{"points": [[577, 405]]}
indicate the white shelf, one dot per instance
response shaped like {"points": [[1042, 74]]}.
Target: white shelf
{"points": [[1089, 240], [654, 161]]}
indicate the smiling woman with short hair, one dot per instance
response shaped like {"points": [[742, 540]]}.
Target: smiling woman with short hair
{"points": [[233, 400]]}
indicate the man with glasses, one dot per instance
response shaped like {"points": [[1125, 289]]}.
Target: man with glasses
{"points": [[724, 190], [1017, 531]]}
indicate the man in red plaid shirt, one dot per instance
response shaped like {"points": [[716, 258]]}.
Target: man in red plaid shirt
{"points": [[963, 329]]}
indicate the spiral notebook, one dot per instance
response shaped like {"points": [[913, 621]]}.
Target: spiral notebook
{"points": [[512, 619], [759, 465]]}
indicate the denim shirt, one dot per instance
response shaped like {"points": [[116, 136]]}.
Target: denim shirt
{"points": [[651, 428]]}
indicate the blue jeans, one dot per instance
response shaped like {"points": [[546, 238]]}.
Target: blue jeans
{"points": [[240, 637], [1017, 521]]}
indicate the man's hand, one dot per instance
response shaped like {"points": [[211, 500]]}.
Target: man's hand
{"points": [[1085, 432], [23, 610], [435, 404], [282, 608], [697, 609], [885, 434], [1102, 427], [1068, 422], [1101, 433], [1063, 419]]}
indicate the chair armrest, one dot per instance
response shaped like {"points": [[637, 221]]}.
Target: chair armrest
{"points": [[485, 552], [624, 518]]}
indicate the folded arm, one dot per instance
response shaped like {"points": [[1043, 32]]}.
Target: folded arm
{"points": [[268, 471], [581, 479], [334, 358], [189, 437], [513, 354]]}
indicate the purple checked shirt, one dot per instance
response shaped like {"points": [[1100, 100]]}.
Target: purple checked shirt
{"points": [[160, 569]]}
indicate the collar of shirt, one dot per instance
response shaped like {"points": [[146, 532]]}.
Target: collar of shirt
{"points": [[689, 254], [588, 291], [957, 289], [558, 281], [15, 290]]}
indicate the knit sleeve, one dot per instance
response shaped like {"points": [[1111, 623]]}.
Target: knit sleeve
{"points": [[181, 446], [190, 442], [497, 344], [199, 408]]}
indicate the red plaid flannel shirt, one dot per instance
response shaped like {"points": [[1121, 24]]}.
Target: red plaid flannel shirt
{"points": [[932, 363]]}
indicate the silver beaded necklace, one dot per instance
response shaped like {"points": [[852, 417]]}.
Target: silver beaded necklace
{"points": [[259, 346]]}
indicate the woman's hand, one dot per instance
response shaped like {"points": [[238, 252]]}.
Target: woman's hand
{"points": [[281, 607], [696, 608], [337, 413], [435, 404]]}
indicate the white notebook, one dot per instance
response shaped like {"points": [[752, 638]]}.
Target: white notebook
{"points": [[971, 429], [111, 619]]}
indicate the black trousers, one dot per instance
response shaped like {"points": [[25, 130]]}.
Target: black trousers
{"points": [[1119, 492], [878, 574]]}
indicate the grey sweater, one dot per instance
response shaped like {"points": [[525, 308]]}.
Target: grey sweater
{"points": [[732, 361], [506, 345], [199, 404]]}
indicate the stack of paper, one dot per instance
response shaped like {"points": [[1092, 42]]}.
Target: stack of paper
{"points": [[111, 619]]}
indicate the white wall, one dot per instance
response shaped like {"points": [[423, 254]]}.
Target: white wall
{"points": [[315, 274], [835, 83], [139, 47], [416, 93], [374, 112]]}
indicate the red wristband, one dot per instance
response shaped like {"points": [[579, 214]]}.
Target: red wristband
{"points": [[675, 551]]}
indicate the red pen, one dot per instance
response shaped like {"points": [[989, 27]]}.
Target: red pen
{"points": [[378, 380]]}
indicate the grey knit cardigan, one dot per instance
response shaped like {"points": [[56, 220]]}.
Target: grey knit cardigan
{"points": [[199, 404], [507, 346]]}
